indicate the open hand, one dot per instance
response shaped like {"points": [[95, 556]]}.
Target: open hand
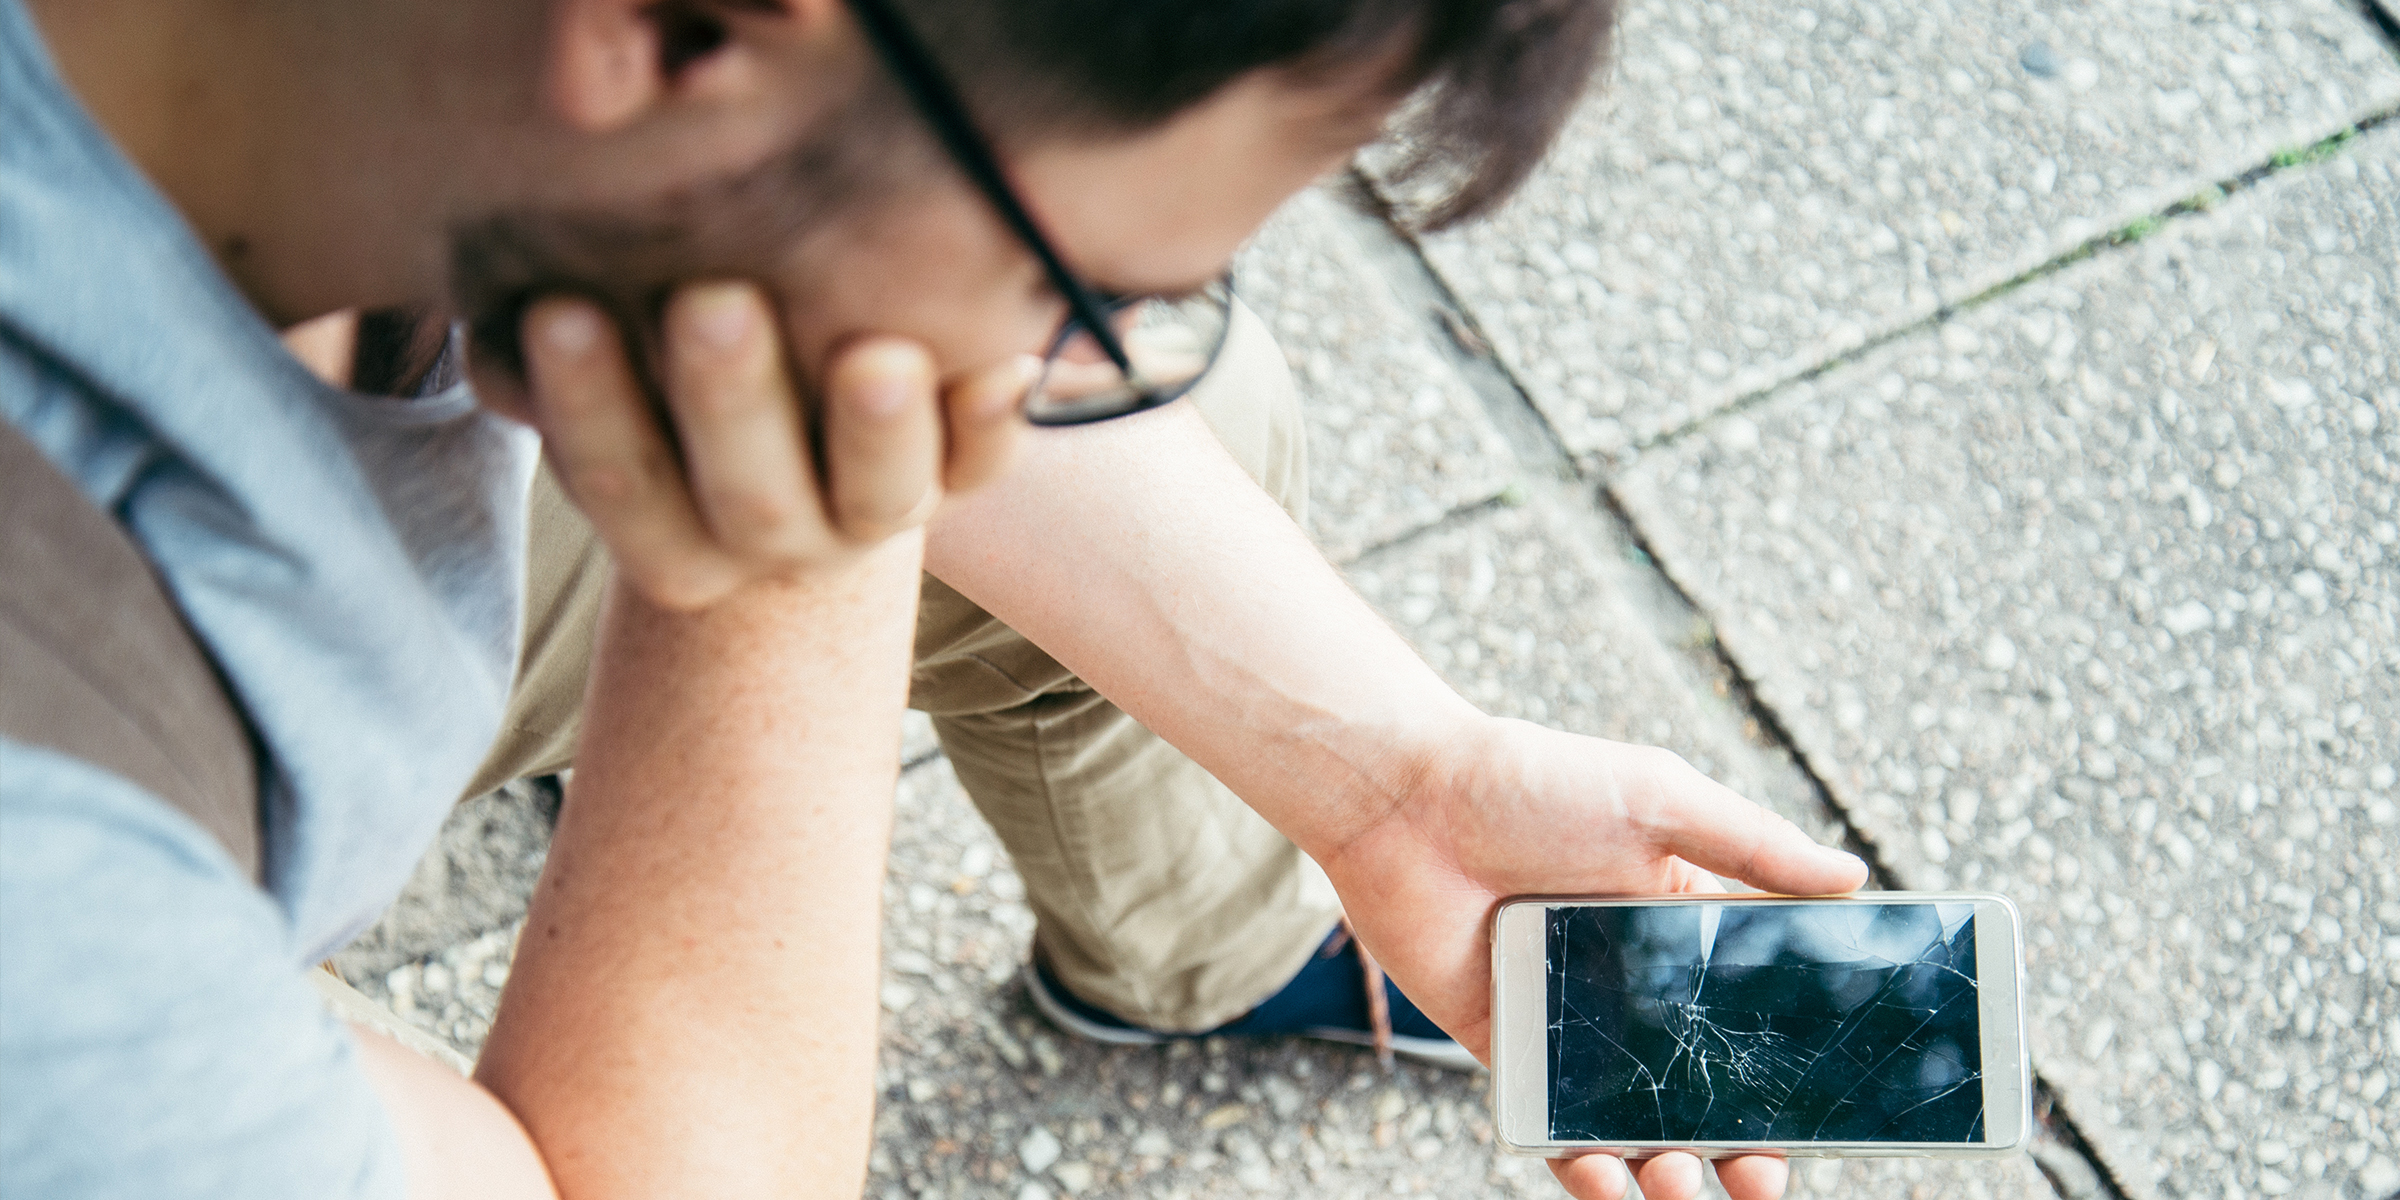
{"points": [[1513, 809], [745, 486]]}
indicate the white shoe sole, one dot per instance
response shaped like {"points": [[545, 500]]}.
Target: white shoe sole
{"points": [[1434, 1052], [1083, 1027], [1439, 1052]]}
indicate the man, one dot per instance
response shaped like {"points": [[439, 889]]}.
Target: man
{"points": [[691, 1006]]}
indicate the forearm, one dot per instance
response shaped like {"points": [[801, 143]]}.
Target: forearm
{"points": [[692, 1010], [1141, 556]]}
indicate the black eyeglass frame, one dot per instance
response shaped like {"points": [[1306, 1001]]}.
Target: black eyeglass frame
{"points": [[913, 65]]}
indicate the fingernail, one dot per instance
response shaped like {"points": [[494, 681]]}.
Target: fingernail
{"points": [[571, 329], [719, 314], [886, 377], [884, 397]]}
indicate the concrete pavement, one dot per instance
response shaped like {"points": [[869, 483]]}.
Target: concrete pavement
{"points": [[2088, 597]]}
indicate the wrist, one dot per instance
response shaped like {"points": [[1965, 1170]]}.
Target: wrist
{"points": [[1378, 770]]}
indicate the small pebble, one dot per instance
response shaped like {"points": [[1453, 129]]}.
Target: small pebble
{"points": [[1222, 1116], [2038, 60], [1039, 1149]]}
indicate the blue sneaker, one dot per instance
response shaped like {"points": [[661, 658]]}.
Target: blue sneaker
{"points": [[1327, 1000]]}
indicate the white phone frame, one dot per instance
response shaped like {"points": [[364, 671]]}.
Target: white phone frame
{"points": [[1520, 1028]]}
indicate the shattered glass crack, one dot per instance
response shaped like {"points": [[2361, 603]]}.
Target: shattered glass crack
{"points": [[1764, 1022]]}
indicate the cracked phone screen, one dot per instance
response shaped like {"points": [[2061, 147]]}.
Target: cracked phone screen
{"points": [[1764, 1023]]}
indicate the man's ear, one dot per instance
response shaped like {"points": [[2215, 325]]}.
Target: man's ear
{"points": [[611, 61]]}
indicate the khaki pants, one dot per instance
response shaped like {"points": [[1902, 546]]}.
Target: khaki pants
{"points": [[1158, 894]]}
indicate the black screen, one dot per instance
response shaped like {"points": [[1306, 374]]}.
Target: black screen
{"points": [[1764, 1022]]}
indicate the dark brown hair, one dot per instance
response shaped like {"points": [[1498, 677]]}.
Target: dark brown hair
{"points": [[1493, 81]]}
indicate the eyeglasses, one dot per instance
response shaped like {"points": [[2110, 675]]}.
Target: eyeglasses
{"points": [[1114, 355]]}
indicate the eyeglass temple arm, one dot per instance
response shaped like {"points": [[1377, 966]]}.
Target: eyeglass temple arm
{"points": [[930, 90]]}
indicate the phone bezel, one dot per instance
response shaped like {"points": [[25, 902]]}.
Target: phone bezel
{"points": [[1520, 1019]]}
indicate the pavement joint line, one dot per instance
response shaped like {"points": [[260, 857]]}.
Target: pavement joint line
{"points": [[2380, 14], [2096, 1179], [1465, 514], [1400, 257], [911, 764], [1746, 698], [2289, 159]]}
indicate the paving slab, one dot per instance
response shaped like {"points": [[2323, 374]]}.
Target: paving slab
{"points": [[1396, 438], [1761, 187], [2090, 599]]}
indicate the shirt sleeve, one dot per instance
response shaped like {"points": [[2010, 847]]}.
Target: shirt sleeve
{"points": [[156, 1040]]}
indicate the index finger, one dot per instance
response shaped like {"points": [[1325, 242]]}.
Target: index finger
{"points": [[612, 459], [740, 424]]}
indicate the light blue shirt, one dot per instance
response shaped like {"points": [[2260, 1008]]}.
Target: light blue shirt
{"points": [[353, 563]]}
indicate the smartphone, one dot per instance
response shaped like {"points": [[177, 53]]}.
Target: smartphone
{"points": [[1888, 1024]]}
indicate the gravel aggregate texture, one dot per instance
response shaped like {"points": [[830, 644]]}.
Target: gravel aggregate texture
{"points": [[1396, 439], [474, 880], [1762, 187], [2089, 598]]}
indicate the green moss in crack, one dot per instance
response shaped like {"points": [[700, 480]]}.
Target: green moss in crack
{"points": [[2201, 201], [2301, 156], [2138, 228]]}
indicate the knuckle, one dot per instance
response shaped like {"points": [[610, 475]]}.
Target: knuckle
{"points": [[564, 395], [619, 479], [884, 514], [598, 484], [720, 392], [759, 513]]}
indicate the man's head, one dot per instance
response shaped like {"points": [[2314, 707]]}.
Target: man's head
{"points": [[1148, 139], [371, 154]]}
